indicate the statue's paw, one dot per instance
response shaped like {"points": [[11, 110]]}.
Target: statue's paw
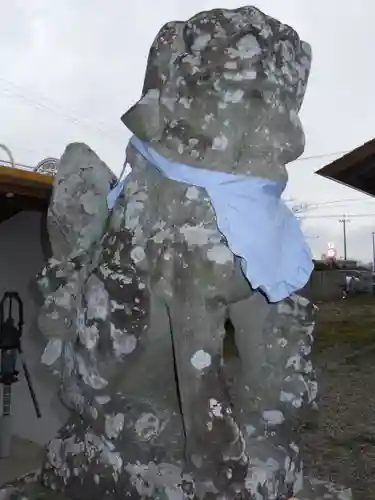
{"points": [[78, 209]]}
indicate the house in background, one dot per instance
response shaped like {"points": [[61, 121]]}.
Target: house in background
{"points": [[24, 249]]}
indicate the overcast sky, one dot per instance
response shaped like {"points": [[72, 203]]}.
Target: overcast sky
{"points": [[70, 68]]}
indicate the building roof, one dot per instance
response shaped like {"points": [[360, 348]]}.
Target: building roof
{"points": [[355, 169], [22, 189], [23, 182]]}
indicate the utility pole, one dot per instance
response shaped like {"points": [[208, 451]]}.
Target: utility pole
{"points": [[373, 252], [344, 221]]}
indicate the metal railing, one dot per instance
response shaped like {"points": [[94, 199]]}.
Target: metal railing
{"points": [[9, 154], [48, 166]]}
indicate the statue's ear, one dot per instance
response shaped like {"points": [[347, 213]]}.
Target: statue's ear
{"points": [[145, 118], [78, 208]]}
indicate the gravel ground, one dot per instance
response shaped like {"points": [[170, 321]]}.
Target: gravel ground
{"points": [[338, 441]]}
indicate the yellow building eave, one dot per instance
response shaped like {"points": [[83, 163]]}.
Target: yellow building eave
{"points": [[25, 183]]}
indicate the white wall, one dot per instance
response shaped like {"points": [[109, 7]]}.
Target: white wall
{"points": [[21, 259]]}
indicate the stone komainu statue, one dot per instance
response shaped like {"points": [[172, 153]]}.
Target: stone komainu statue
{"points": [[138, 298]]}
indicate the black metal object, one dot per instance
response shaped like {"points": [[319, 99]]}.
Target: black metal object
{"points": [[11, 351]]}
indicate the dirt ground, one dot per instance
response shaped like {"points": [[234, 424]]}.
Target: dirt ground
{"points": [[338, 441]]}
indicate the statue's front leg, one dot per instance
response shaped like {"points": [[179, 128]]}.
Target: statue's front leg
{"points": [[275, 380], [214, 445]]}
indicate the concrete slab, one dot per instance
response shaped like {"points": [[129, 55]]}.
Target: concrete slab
{"points": [[26, 457]]}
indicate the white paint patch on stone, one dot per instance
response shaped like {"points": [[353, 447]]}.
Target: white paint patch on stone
{"points": [[192, 193], [97, 299], [249, 74], [220, 143], [282, 342], [201, 360], [138, 254], [115, 306], [295, 362], [89, 201], [216, 408], [273, 417], [102, 400], [185, 102], [248, 47], [52, 352], [114, 424], [150, 478], [94, 412], [234, 96], [89, 374], [257, 476], [312, 390], [235, 77], [162, 235], [122, 342], [147, 426], [220, 254], [114, 460], [250, 430], [230, 65], [286, 397], [197, 235], [89, 336], [201, 42]]}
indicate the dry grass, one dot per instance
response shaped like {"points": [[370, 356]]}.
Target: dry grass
{"points": [[347, 324], [339, 440]]}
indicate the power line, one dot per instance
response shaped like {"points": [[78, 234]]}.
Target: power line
{"points": [[324, 155], [69, 117], [330, 216], [335, 202], [50, 104], [313, 206]]}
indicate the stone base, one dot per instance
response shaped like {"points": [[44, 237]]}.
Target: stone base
{"points": [[29, 488]]}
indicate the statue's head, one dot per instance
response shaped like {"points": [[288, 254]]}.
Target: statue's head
{"points": [[224, 87]]}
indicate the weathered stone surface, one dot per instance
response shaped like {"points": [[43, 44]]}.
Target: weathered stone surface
{"points": [[136, 301], [223, 90]]}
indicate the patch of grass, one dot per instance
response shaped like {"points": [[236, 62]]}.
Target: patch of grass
{"points": [[348, 323], [355, 334]]}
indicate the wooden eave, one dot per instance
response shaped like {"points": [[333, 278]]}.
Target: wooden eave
{"points": [[355, 169], [25, 183], [23, 190]]}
